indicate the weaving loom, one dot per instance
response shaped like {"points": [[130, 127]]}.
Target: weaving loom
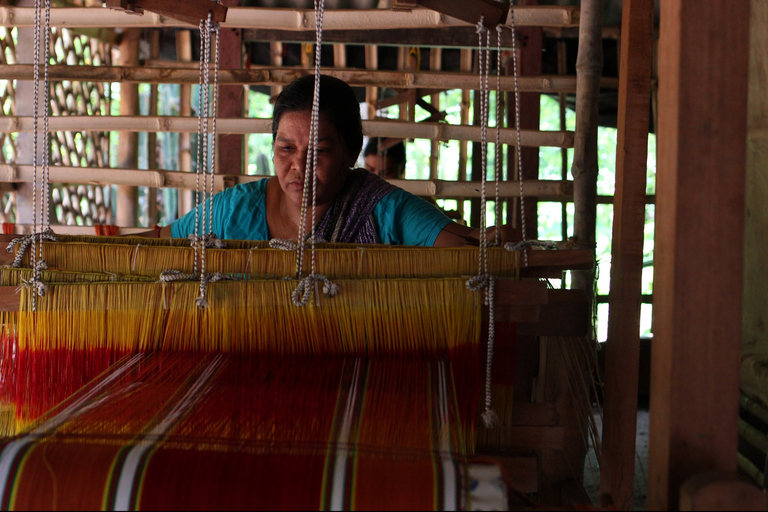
{"points": [[124, 391], [156, 373]]}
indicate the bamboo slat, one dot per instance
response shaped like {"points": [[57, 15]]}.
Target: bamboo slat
{"points": [[397, 129], [168, 72], [286, 19]]}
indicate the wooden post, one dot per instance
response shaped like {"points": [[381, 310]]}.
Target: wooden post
{"points": [[699, 250], [589, 65], [435, 64], [755, 312], [530, 42], [128, 142], [231, 99], [184, 54], [617, 467]]}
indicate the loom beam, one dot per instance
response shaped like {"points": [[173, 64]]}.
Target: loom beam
{"points": [[188, 11]]}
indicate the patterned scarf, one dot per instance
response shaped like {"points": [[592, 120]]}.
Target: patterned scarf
{"points": [[350, 218]]}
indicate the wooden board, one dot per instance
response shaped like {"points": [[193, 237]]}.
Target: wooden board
{"points": [[617, 465]]}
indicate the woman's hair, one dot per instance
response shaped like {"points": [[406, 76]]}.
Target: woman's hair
{"points": [[338, 104]]}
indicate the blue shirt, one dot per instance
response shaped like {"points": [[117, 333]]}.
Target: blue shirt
{"points": [[240, 213]]}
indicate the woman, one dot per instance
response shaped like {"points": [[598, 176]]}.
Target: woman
{"points": [[352, 205]]}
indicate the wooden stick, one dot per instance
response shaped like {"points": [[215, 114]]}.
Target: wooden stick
{"points": [[493, 13], [287, 19], [276, 76], [379, 128]]}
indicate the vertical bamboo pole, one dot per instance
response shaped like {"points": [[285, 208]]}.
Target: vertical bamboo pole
{"points": [[622, 357], [339, 56], [435, 64], [276, 59], [589, 64], [154, 48], [699, 251], [465, 64], [184, 54], [128, 142]]}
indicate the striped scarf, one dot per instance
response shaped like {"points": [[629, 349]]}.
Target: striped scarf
{"points": [[350, 218]]}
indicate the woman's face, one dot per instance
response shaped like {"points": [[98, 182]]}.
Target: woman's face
{"points": [[290, 158]]}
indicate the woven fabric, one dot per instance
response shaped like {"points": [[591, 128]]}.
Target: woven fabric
{"points": [[210, 431]]}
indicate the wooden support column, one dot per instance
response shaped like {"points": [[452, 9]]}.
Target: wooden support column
{"points": [[435, 64], [699, 251], [231, 99], [371, 93], [755, 311], [617, 467], [128, 142], [589, 67], [530, 42], [184, 54]]}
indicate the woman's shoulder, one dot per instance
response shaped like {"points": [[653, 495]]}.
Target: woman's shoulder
{"points": [[250, 192]]}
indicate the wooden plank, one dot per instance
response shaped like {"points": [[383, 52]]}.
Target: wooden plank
{"points": [[617, 465], [713, 490], [522, 472], [566, 314], [698, 288], [9, 299], [533, 414], [128, 142], [521, 293]]}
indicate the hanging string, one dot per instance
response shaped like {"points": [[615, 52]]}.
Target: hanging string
{"points": [[203, 236], [484, 280], [517, 125], [302, 293]]}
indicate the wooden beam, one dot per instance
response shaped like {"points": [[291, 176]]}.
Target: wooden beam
{"points": [[187, 11], [299, 20], [190, 74], [472, 11], [375, 128], [617, 466], [704, 54]]}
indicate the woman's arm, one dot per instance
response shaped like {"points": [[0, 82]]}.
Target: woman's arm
{"points": [[158, 232], [454, 235]]}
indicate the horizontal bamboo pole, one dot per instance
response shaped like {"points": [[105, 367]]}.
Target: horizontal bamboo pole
{"points": [[242, 126], [286, 19], [10, 173], [182, 73]]}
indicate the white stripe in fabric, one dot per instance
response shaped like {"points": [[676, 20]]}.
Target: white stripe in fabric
{"points": [[10, 452], [449, 469], [133, 459], [342, 449]]}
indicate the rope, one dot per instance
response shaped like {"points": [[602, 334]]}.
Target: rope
{"points": [[517, 122], [484, 279], [301, 294]]}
